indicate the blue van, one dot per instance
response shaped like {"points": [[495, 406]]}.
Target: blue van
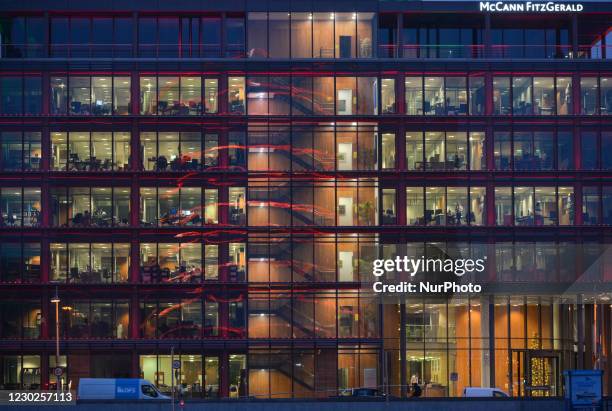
{"points": [[118, 389]]}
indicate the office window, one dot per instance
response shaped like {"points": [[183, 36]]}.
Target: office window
{"points": [[435, 206], [211, 94], [503, 206], [590, 205], [101, 96], [302, 96], [605, 88], [94, 319], [564, 96], [147, 37], [456, 151], [168, 37], [90, 95], [237, 149], [190, 96], [84, 151], [566, 205], [211, 36], [32, 95], [22, 36], [357, 203], [477, 214], [268, 95], [589, 95], [543, 92], [387, 96], [543, 150], [80, 36], [102, 42], [366, 25], [257, 35], [606, 141], [11, 95], [20, 207], [434, 101], [21, 320], [237, 263], [522, 95], [387, 151], [90, 263], [59, 95], [90, 207], [457, 211], [190, 36], [545, 206], [60, 40], [502, 150], [414, 95], [20, 151], [211, 262], [323, 35], [121, 95], [456, 96], [606, 202], [477, 95], [168, 103], [148, 96], [501, 95], [301, 35], [171, 263], [565, 150], [356, 148], [278, 34], [323, 96], [389, 213], [122, 36], [387, 36], [236, 95], [590, 150], [20, 262], [346, 96], [367, 95], [435, 156], [234, 36], [166, 206], [523, 206], [414, 151], [345, 32], [79, 92], [533, 151], [477, 151]]}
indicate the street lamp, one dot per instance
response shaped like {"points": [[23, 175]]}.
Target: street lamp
{"points": [[56, 301]]}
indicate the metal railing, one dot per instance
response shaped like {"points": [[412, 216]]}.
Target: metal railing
{"points": [[238, 51]]}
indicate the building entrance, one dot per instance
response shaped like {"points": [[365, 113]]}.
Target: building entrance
{"points": [[536, 373]]}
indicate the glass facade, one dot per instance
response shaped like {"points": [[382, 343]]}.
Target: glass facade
{"points": [[224, 182]]}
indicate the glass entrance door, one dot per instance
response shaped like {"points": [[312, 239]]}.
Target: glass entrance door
{"points": [[535, 373]]}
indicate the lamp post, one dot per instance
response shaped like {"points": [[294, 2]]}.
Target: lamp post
{"points": [[56, 300]]}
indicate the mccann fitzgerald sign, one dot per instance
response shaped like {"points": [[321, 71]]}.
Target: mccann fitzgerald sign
{"points": [[530, 7]]}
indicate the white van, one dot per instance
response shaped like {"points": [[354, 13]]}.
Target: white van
{"points": [[484, 392], [118, 389]]}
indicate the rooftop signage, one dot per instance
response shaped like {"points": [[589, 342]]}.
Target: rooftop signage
{"points": [[530, 7]]}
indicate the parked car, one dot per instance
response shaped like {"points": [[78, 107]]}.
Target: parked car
{"points": [[484, 392]]}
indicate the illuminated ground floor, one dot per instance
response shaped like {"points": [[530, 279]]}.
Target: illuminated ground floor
{"points": [[520, 344]]}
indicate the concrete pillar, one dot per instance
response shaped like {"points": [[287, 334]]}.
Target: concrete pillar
{"points": [[485, 354], [580, 329]]}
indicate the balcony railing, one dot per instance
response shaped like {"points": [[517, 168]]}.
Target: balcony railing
{"points": [[237, 51]]}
